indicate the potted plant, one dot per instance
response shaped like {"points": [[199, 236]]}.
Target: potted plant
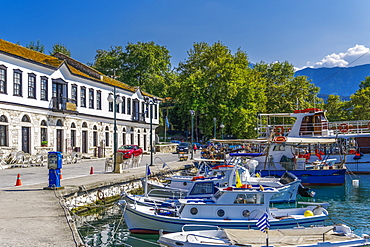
{"points": [[44, 143]]}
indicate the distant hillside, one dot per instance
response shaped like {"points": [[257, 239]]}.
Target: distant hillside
{"points": [[338, 81]]}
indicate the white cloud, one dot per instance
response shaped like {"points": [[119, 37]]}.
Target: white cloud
{"points": [[352, 57]]}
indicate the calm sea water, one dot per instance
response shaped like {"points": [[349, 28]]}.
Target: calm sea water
{"points": [[348, 204]]}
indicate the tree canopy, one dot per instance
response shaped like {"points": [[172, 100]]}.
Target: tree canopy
{"points": [[146, 65], [36, 46], [222, 87], [219, 85], [60, 48]]}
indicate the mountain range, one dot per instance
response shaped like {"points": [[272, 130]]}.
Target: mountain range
{"points": [[342, 81]]}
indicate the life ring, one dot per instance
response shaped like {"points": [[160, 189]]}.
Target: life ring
{"points": [[344, 128], [280, 139], [100, 195], [279, 130]]}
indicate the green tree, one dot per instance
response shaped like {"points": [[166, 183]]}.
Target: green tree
{"points": [[217, 84], [146, 65], [60, 48], [337, 110], [360, 101], [285, 92], [36, 46], [365, 83]]}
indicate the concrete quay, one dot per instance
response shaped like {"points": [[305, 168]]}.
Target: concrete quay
{"points": [[32, 216]]}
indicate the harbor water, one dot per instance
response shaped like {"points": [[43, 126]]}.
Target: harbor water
{"points": [[349, 204]]}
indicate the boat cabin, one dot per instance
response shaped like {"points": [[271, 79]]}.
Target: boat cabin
{"points": [[229, 203]]}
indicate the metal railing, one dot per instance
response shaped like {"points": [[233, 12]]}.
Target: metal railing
{"points": [[63, 104]]}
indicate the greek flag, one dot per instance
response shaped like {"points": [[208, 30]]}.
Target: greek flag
{"points": [[263, 223]]}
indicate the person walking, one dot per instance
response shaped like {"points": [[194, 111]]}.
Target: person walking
{"points": [[195, 148]]}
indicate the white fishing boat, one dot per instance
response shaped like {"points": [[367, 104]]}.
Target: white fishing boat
{"points": [[301, 143], [238, 208], [321, 236], [224, 175], [352, 138]]}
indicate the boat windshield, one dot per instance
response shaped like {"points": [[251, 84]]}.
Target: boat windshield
{"points": [[244, 198], [203, 188]]}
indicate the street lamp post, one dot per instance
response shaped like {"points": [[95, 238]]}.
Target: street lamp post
{"points": [[151, 102], [116, 100], [192, 113], [214, 127], [222, 126]]}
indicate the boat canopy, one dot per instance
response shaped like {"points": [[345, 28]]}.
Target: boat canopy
{"points": [[313, 140]]}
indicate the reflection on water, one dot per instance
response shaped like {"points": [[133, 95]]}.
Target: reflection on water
{"points": [[348, 204]]}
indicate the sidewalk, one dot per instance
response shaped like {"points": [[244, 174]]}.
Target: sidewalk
{"points": [[31, 216]]}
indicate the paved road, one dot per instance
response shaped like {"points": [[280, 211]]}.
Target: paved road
{"points": [[37, 175]]}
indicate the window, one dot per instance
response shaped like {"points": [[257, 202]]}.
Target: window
{"points": [[249, 199], [26, 119], [128, 106], [17, 81], [83, 97], [95, 136], [98, 100], [110, 106], [3, 131], [123, 105], [31, 85], [91, 98], [107, 136], [73, 135], [44, 88], [44, 131], [2, 79], [155, 111], [74, 94]]}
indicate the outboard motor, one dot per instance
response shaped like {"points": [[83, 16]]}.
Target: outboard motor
{"points": [[288, 178], [305, 191]]}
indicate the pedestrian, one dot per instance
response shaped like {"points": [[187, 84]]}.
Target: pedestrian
{"points": [[195, 148]]}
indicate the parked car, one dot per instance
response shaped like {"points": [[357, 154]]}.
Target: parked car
{"points": [[183, 147], [130, 151]]}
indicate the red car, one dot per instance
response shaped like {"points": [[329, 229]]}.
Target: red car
{"points": [[130, 151]]}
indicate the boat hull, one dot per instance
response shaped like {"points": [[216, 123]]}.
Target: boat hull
{"points": [[332, 177], [139, 222]]}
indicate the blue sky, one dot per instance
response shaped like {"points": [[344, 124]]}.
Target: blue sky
{"points": [[317, 33]]}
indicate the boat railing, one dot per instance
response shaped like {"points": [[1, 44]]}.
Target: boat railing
{"points": [[350, 127], [317, 129]]}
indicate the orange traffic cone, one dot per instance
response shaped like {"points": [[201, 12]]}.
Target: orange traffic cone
{"points": [[60, 174], [91, 170], [19, 181]]}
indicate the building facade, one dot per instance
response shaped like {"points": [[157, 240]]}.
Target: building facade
{"points": [[56, 103]]}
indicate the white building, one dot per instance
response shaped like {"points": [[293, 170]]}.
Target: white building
{"points": [[58, 100]]}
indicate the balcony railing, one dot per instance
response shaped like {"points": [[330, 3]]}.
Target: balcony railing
{"points": [[65, 105], [138, 117]]}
